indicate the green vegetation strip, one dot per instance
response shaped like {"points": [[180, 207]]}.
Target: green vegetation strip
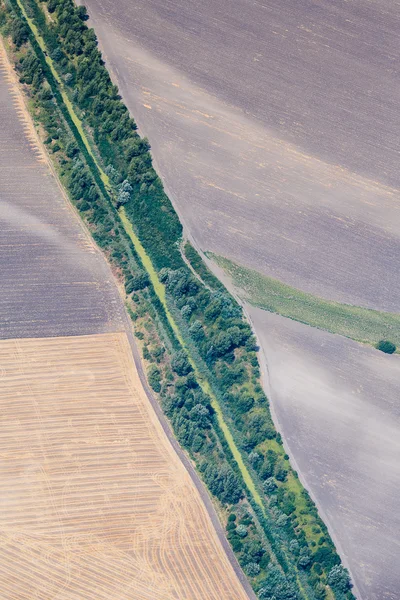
{"points": [[287, 548], [75, 119], [360, 324], [160, 291], [148, 265]]}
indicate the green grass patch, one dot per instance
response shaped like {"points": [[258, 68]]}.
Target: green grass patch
{"points": [[360, 324]]}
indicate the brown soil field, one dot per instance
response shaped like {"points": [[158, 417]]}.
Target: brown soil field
{"points": [[95, 503], [53, 279], [275, 128], [337, 405]]}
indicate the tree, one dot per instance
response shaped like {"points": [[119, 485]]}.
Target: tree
{"points": [[252, 569], [200, 415], [137, 282], [269, 485], [338, 579], [19, 33], [276, 585], [154, 377], [180, 363], [241, 530], [386, 346]]}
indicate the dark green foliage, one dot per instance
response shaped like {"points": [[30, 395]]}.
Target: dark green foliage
{"points": [[137, 282], [326, 557], [386, 346], [222, 482], [211, 319], [339, 579], [277, 586], [19, 32], [154, 377], [180, 363]]}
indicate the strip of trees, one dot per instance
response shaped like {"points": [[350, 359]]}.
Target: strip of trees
{"points": [[282, 549]]}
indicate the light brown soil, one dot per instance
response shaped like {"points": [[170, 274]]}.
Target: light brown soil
{"points": [[95, 503]]}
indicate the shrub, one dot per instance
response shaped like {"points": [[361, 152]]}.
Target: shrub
{"points": [[269, 485], [252, 569], [339, 579], [154, 377], [180, 363], [386, 346], [241, 530]]}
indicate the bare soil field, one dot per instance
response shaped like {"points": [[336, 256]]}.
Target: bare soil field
{"points": [[275, 127], [53, 280], [336, 403], [94, 500]]}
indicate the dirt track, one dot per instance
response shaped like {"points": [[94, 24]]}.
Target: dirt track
{"points": [[275, 128]]}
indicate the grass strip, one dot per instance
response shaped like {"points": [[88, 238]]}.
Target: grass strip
{"points": [[360, 324]]}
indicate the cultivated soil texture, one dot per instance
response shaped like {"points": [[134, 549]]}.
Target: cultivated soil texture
{"points": [[53, 280], [336, 403], [275, 127], [95, 501]]}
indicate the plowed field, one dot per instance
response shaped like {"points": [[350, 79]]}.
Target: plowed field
{"points": [[53, 279]]}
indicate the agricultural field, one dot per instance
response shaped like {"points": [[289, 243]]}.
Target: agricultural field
{"points": [[95, 501], [336, 403], [98, 500], [53, 280], [274, 128]]}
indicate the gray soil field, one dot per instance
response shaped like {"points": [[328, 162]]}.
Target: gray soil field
{"points": [[53, 280], [275, 127], [337, 406]]}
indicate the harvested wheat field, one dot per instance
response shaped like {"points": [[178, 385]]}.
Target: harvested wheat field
{"points": [[95, 502]]}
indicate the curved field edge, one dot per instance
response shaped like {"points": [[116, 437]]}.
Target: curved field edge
{"points": [[151, 271], [360, 324], [103, 453]]}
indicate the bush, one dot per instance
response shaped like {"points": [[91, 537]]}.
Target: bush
{"points": [[269, 485], [154, 377], [180, 363], [241, 530], [252, 569], [386, 346], [339, 579]]}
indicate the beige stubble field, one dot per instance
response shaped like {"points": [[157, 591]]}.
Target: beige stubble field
{"points": [[95, 502]]}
